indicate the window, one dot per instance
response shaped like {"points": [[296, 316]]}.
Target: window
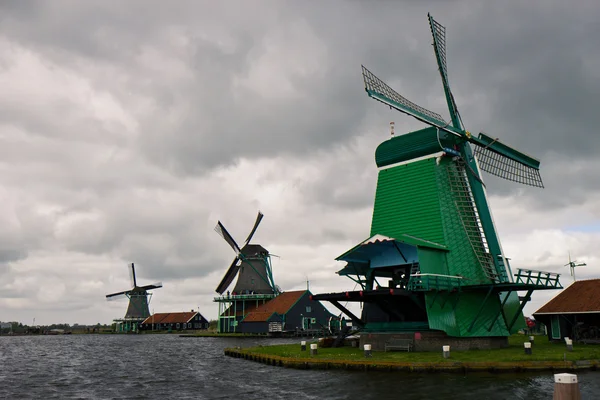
{"points": [[177, 325], [189, 325], [308, 309]]}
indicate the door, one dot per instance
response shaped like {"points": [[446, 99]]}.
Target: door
{"points": [[555, 326]]}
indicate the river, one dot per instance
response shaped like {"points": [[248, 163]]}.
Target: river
{"points": [[167, 366]]}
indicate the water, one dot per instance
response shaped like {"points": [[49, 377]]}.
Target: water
{"points": [[167, 366]]}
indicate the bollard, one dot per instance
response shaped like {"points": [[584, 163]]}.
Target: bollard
{"points": [[569, 344], [446, 351], [313, 349], [531, 340], [527, 347], [566, 387], [303, 345], [368, 350]]}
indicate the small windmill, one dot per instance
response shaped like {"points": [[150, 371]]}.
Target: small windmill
{"points": [[252, 265], [572, 265], [139, 298]]}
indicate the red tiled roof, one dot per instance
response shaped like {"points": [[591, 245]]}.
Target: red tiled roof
{"points": [[170, 318], [280, 305], [581, 296], [249, 306]]}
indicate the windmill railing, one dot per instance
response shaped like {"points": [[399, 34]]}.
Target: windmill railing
{"points": [[538, 278], [427, 282], [230, 297]]}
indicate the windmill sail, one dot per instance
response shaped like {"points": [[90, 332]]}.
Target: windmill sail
{"points": [[439, 45], [132, 275], [505, 162], [380, 91], [229, 275], [259, 218], [220, 229]]}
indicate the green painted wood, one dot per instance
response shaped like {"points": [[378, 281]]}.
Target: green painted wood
{"points": [[406, 202], [412, 145], [432, 261], [510, 308], [456, 320]]}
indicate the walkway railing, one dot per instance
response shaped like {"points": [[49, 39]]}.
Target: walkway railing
{"points": [[538, 278], [427, 282]]}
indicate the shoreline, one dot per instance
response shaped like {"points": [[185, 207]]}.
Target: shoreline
{"points": [[441, 366]]}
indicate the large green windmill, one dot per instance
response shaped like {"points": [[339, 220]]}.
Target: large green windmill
{"points": [[434, 260]]}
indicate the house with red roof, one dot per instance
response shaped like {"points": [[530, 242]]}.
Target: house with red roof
{"points": [[573, 313], [292, 311], [175, 321]]}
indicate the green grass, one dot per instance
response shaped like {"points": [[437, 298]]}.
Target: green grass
{"points": [[543, 350], [221, 335]]}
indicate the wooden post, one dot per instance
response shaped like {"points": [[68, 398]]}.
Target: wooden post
{"points": [[566, 387], [303, 345], [446, 351], [313, 349]]}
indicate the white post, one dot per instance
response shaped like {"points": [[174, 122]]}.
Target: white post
{"points": [[531, 340], [368, 350], [569, 343], [527, 346], [303, 345], [446, 351], [566, 387], [313, 349]]}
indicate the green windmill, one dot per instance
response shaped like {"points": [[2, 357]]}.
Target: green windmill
{"points": [[433, 262]]}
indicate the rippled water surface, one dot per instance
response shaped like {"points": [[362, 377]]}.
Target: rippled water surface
{"points": [[167, 366]]}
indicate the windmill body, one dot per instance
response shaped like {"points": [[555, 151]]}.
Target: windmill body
{"points": [[433, 261], [254, 285], [139, 299]]}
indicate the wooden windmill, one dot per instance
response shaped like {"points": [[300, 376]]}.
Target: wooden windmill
{"points": [[139, 298], [434, 259], [255, 284]]}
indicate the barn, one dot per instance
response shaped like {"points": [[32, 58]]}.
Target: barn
{"points": [[290, 312], [573, 313], [175, 321]]}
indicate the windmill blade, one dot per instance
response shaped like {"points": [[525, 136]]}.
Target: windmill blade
{"points": [[380, 91], [505, 162], [439, 45], [109, 296], [152, 286], [220, 229], [259, 218], [229, 275], [132, 275]]}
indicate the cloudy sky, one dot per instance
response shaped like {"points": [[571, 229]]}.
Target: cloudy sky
{"points": [[127, 131]]}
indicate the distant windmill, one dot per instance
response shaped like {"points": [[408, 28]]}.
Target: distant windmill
{"points": [[138, 298], [572, 265], [252, 265]]}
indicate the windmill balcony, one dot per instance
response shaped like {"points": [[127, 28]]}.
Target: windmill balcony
{"points": [[243, 297], [427, 282]]}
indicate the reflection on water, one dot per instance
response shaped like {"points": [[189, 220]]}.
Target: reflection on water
{"points": [[167, 366]]}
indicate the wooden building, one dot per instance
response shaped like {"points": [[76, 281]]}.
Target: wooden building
{"points": [[175, 321], [573, 313], [289, 312]]}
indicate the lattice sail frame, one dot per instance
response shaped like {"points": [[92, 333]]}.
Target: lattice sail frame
{"points": [[507, 168], [379, 90]]}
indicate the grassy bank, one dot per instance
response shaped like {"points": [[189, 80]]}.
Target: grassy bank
{"points": [[546, 355], [223, 335]]}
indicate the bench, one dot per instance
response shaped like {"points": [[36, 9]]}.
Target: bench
{"points": [[399, 344]]}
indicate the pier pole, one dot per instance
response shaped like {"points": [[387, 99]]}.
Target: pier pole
{"points": [[566, 387]]}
